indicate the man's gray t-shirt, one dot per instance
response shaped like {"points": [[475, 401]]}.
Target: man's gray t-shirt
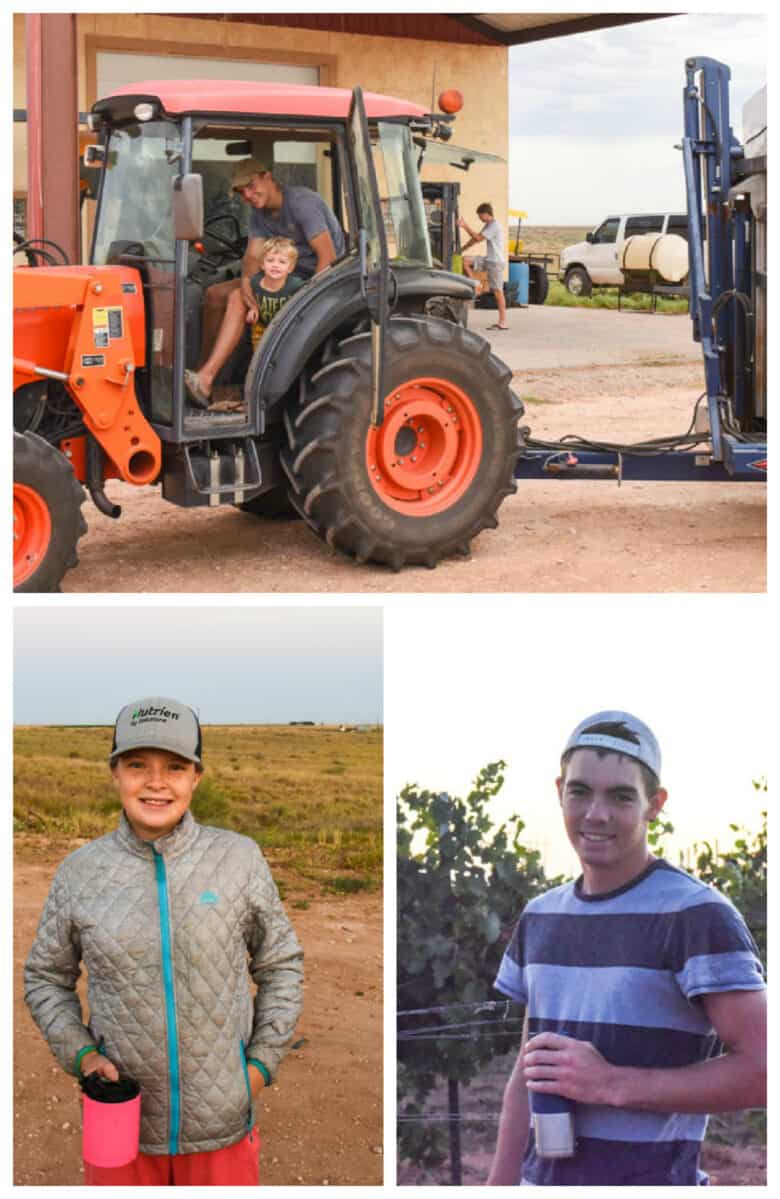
{"points": [[494, 239], [302, 216]]}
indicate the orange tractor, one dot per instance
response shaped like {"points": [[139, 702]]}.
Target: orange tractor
{"points": [[391, 431]]}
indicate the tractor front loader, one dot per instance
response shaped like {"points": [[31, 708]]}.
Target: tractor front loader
{"points": [[79, 339], [392, 432]]}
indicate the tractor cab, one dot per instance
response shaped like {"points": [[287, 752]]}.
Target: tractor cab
{"points": [[362, 161]]}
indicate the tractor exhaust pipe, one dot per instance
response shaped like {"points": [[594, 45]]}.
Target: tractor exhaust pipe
{"points": [[95, 480]]}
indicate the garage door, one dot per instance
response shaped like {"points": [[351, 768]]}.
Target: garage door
{"points": [[116, 70]]}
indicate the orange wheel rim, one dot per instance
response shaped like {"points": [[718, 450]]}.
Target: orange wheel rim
{"points": [[428, 449], [32, 532]]}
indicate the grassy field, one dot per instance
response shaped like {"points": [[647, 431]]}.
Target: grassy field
{"points": [[551, 239], [310, 795]]}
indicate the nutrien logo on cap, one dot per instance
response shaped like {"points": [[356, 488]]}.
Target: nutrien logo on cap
{"points": [[155, 715]]}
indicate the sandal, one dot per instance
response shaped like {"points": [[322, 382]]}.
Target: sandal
{"points": [[503, 328], [194, 386]]}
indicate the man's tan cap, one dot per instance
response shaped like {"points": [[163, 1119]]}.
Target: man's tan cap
{"points": [[245, 171]]}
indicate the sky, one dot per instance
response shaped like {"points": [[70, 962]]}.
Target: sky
{"points": [[594, 118], [511, 680], [233, 664]]}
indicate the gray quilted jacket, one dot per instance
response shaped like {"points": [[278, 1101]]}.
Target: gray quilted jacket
{"points": [[167, 931]]}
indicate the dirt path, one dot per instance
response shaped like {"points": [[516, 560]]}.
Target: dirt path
{"points": [[321, 1122], [552, 536]]}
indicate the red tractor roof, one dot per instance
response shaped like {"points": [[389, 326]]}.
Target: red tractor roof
{"points": [[276, 99]]}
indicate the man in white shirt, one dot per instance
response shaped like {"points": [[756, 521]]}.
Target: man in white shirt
{"points": [[493, 261]]}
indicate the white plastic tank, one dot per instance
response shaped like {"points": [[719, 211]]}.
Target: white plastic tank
{"points": [[664, 253]]}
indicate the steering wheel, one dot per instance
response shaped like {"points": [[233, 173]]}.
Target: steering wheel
{"points": [[234, 245]]}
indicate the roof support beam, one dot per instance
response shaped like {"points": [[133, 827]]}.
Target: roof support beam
{"points": [[52, 130], [558, 28]]}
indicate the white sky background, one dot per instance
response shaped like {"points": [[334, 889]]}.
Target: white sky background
{"points": [[594, 118], [511, 679], [259, 665]]}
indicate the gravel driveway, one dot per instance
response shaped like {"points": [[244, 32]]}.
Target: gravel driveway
{"points": [[620, 375]]}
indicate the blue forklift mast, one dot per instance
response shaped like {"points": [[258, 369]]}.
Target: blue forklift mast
{"points": [[725, 184]]}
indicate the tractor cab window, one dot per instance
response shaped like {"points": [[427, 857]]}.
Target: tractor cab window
{"points": [[136, 204], [400, 194], [135, 226], [297, 158]]}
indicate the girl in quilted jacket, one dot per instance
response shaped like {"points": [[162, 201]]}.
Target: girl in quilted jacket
{"points": [[167, 915]]}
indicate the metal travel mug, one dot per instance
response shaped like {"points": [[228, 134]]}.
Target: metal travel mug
{"points": [[553, 1123], [552, 1117]]}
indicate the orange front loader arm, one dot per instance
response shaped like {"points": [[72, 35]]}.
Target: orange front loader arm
{"points": [[84, 325]]}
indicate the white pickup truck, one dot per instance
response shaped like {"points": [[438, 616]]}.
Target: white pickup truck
{"points": [[595, 260]]}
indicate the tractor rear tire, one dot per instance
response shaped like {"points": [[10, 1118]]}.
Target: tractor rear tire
{"points": [[434, 474], [47, 514]]}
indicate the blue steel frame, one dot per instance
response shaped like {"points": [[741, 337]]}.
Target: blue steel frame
{"points": [[709, 152]]}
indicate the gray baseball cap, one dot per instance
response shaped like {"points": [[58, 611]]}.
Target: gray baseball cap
{"points": [[158, 723], [629, 736]]}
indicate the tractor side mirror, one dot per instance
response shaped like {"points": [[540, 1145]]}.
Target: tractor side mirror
{"points": [[188, 207]]}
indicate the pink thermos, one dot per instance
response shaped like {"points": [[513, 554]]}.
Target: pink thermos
{"points": [[111, 1120]]}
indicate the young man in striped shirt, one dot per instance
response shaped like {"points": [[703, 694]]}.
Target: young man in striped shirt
{"points": [[631, 977]]}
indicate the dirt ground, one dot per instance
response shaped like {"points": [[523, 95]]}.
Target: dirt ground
{"points": [[320, 1123], [561, 536]]}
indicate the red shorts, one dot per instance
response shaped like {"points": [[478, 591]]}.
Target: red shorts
{"points": [[236, 1166]]}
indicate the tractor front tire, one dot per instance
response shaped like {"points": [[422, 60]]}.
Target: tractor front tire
{"points": [[47, 514], [434, 474]]}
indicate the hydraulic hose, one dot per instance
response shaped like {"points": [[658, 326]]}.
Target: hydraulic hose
{"points": [[95, 480]]}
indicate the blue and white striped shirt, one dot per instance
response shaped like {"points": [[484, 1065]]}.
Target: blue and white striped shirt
{"points": [[623, 970]]}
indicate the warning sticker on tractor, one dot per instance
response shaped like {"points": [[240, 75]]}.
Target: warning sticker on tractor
{"points": [[93, 360], [116, 324], [107, 325]]}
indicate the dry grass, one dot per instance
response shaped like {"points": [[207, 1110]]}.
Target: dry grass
{"points": [[548, 239], [311, 795]]}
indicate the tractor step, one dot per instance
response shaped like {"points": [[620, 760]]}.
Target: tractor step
{"points": [[211, 473]]}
